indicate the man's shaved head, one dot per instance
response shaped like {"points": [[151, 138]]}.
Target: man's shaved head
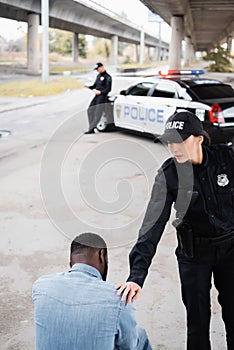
{"points": [[90, 248]]}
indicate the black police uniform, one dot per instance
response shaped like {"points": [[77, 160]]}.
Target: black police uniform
{"points": [[102, 83], [211, 218]]}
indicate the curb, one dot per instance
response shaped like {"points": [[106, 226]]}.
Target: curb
{"points": [[16, 107]]}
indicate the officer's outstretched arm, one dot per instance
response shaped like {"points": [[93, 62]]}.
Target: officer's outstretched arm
{"points": [[130, 290]]}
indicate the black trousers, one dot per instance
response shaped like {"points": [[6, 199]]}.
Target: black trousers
{"points": [[209, 260], [95, 110]]}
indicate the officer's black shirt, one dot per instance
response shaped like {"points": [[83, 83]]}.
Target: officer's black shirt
{"points": [[102, 83], [210, 213]]}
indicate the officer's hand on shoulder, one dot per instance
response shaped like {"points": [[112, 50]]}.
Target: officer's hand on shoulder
{"points": [[130, 290]]}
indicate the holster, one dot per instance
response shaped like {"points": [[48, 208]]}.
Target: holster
{"points": [[185, 237]]}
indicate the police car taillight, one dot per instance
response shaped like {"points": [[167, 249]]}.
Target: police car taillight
{"points": [[216, 114], [169, 72]]}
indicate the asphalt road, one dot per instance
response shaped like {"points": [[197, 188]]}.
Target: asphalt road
{"points": [[56, 183]]}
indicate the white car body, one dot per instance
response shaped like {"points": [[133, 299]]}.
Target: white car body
{"points": [[149, 114]]}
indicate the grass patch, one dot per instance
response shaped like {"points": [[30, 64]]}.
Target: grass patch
{"points": [[38, 88], [64, 69], [143, 66]]}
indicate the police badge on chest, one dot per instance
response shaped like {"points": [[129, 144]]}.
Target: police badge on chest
{"points": [[222, 180]]}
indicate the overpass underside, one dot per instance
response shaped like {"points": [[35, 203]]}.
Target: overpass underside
{"points": [[78, 18], [203, 24]]}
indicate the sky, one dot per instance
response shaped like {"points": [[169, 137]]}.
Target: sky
{"points": [[134, 9]]}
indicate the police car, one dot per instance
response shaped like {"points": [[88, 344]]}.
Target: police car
{"points": [[145, 106]]}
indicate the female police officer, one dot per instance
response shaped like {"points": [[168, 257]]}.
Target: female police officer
{"points": [[199, 180]]}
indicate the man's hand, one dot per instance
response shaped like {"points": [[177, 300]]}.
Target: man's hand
{"points": [[130, 290]]}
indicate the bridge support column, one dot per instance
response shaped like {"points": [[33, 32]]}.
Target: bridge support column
{"points": [[166, 55], [149, 53], [114, 50], [134, 53], [230, 47], [33, 51], [177, 26], [137, 53], [189, 52], [142, 47], [155, 53], [232, 52], [162, 54], [75, 44], [229, 44]]}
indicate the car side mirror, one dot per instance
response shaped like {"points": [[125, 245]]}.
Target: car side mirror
{"points": [[123, 92]]}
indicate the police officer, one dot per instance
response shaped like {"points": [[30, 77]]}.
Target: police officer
{"points": [[199, 181], [101, 87]]}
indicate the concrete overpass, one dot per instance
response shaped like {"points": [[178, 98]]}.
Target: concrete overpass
{"points": [[202, 23], [77, 17]]}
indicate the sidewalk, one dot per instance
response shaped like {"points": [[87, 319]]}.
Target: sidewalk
{"points": [[30, 245]]}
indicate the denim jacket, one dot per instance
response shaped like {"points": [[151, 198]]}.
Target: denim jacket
{"points": [[77, 310]]}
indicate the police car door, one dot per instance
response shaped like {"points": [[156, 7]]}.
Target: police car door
{"points": [[129, 110], [160, 105]]}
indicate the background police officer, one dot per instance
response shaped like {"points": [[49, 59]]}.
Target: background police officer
{"points": [[101, 87], [199, 180]]}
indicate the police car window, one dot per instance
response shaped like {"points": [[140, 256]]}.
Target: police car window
{"points": [[164, 89], [141, 89], [162, 93], [212, 91]]}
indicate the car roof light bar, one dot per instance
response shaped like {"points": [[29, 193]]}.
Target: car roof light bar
{"points": [[169, 72]]}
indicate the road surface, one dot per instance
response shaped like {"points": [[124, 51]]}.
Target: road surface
{"points": [[56, 183]]}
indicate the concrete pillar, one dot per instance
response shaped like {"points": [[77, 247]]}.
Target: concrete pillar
{"points": [[148, 53], [114, 50], [166, 55], [162, 52], [229, 44], [189, 52], [142, 47], [137, 53], [75, 52], [186, 52], [155, 53], [177, 26], [232, 52], [232, 48], [45, 74], [160, 41], [33, 50]]}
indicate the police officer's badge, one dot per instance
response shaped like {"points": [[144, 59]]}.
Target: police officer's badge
{"points": [[222, 180]]}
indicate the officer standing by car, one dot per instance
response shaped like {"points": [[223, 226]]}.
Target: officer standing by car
{"points": [[199, 181], [101, 88]]}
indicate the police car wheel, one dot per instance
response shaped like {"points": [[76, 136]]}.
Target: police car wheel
{"points": [[103, 124]]}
